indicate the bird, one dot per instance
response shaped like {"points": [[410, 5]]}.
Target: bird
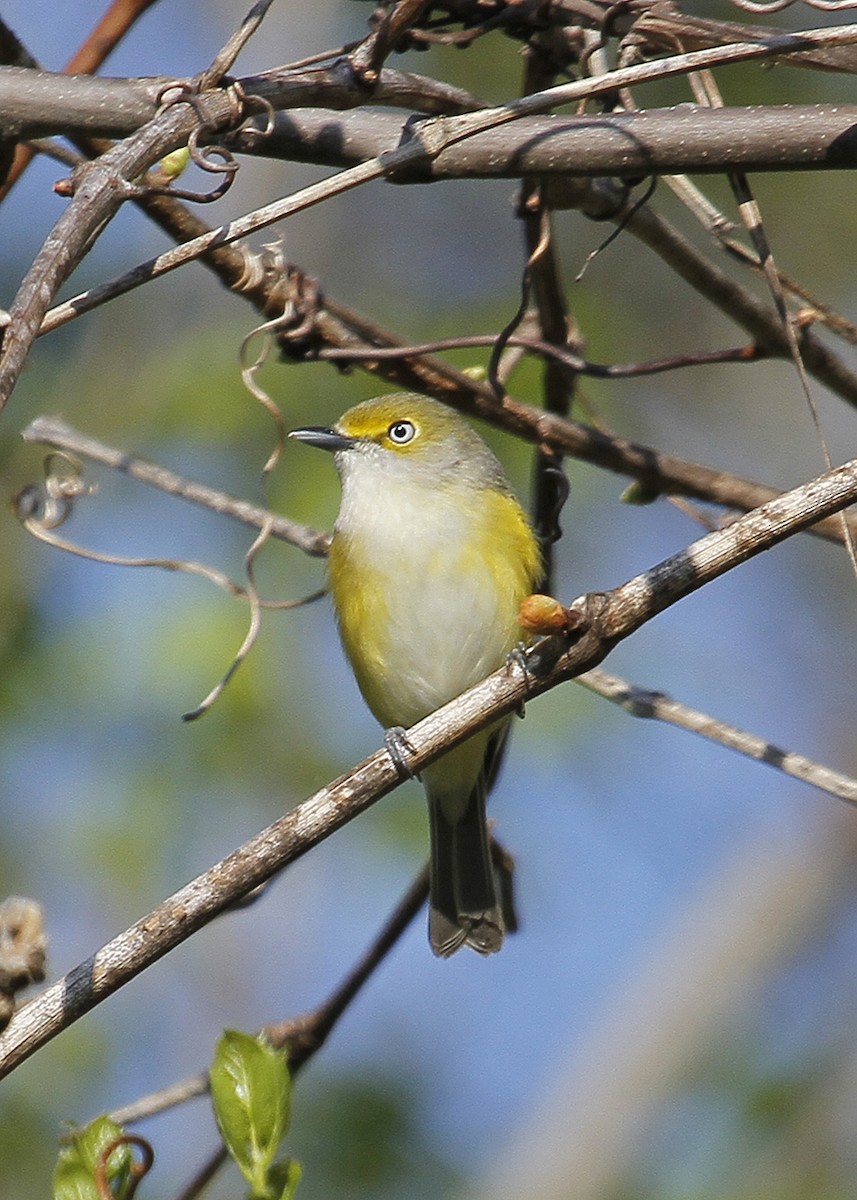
{"points": [[430, 558]]}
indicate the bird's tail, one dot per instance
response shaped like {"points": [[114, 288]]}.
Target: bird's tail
{"points": [[464, 906]]}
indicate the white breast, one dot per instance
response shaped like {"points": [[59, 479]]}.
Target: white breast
{"points": [[442, 622]]}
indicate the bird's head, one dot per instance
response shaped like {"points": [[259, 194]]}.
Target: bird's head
{"points": [[405, 435]]}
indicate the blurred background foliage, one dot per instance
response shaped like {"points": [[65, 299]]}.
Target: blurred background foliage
{"points": [[677, 1017]]}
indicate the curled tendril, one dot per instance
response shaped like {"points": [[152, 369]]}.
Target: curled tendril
{"points": [[139, 1168], [509, 328], [605, 32], [631, 211], [303, 299], [177, 91], [252, 630], [248, 378], [251, 105], [50, 505], [216, 159], [296, 321], [41, 509]]}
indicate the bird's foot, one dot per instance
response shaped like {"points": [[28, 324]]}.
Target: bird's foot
{"points": [[399, 750]]}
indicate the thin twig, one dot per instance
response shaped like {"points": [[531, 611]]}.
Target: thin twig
{"points": [[254, 625], [212, 76], [751, 215], [641, 702], [715, 223], [252, 222], [753, 315], [53, 431], [203, 1177]]}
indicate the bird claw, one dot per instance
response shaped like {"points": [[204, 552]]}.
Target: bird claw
{"points": [[399, 749], [517, 657]]}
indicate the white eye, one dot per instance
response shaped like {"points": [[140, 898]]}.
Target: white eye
{"points": [[401, 432]]}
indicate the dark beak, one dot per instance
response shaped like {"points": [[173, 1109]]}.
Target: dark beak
{"points": [[324, 439]]}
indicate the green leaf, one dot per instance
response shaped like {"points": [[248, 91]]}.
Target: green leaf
{"points": [[284, 1178], [251, 1095], [73, 1181], [174, 163], [77, 1166], [641, 492]]}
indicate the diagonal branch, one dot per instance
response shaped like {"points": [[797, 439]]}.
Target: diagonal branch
{"points": [[641, 702], [604, 619], [100, 192], [305, 1035], [52, 431]]}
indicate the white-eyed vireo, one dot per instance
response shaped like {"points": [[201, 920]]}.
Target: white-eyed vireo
{"points": [[430, 560]]}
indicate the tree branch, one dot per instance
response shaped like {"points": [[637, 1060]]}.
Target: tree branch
{"points": [[100, 192], [666, 141], [641, 702], [105, 184], [35, 103], [101, 40], [52, 431], [604, 619]]}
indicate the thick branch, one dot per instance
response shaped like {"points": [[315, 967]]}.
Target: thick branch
{"points": [[670, 141], [37, 103], [43, 103], [605, 619], [679, 140]]}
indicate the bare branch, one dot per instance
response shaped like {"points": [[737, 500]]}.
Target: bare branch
{"points": [[37, 103], [103, 38], [759, 320], [34, 102], [604, 619], [696, 268], [658, 472], [557, 353], [686, 139], [191, 250], [662, 27], [99, 193], [52, 431], [641, 702], [719, 226], [213, 75]]}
